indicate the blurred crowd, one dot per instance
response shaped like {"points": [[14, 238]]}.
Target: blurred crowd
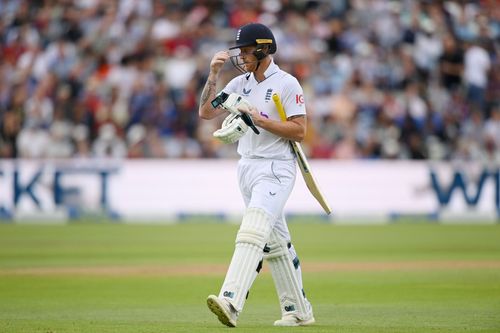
{"points": [[122, 78]]}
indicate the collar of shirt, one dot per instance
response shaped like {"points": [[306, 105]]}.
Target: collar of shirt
{"points": [[271, 69]]}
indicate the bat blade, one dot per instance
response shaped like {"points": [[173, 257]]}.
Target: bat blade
{"points": [[311, 183], [309, 179]]}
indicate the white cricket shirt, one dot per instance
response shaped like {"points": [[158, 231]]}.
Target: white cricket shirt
{"points": [[259, 94]]}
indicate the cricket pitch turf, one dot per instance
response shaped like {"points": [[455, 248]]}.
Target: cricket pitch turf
{"points": [[107, 278]]}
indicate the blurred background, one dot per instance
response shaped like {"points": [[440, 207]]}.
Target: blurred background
{"points": [[383, 80]]}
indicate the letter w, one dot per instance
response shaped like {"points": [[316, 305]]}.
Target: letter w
{"points": [[444, 195]]}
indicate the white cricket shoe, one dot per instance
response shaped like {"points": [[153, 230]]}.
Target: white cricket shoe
{"points": [[223, 310], [292, 320]]}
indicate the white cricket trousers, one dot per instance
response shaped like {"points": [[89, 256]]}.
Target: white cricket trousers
{"points": [[267, 184]]}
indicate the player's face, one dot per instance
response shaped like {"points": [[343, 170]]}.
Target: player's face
{"points": [[248, 58]]}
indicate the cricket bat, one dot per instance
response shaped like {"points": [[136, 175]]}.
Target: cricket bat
{"points": [[304, 167]]}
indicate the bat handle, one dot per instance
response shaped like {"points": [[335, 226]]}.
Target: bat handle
{"points": [[249, 121]]}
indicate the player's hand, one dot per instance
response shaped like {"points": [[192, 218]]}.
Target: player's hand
{"points": [[218, 61], [252, 112]]}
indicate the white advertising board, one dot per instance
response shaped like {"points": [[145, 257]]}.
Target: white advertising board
{"points": [[162, 190]]}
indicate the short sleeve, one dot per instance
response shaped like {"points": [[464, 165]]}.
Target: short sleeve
{"points": [[293, 97], [232, 86]]}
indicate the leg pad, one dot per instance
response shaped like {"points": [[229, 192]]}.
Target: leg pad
{"points": [[285, 269], [250, 241]]}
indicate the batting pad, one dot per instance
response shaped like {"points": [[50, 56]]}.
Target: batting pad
{"points": [[287, 276], [245, 264]]}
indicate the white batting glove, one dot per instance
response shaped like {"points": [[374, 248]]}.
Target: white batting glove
{"points": [[235, 103], [233, 128]]}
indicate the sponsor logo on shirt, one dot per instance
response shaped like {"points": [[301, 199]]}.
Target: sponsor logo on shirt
{"points": [[299, 99], [246, 92]]}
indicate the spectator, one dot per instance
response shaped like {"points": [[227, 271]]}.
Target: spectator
{"points": [[477, 67], [451, 64], [383, 79]]}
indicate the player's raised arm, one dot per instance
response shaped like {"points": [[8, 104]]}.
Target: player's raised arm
{"points": [[206, 110]]}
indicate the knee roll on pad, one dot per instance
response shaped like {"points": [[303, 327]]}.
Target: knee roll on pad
{"points": [[255, 227], [277, 249]]}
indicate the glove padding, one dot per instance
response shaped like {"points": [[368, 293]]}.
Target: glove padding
{"points": [[233, 128], [232, 102]]}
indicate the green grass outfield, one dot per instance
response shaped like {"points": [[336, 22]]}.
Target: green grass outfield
{"points": [[128, 278]]}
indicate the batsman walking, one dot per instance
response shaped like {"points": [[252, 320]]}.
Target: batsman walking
{"points": [[266, 172]]}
